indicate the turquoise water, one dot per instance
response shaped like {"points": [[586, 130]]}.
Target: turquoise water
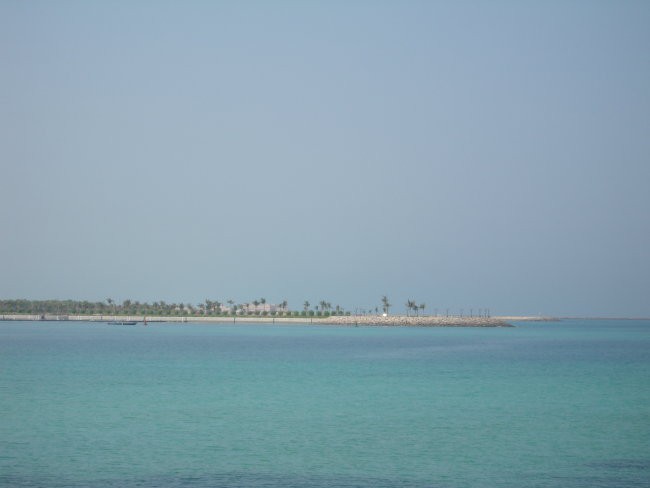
{"points": [[540, 405]]}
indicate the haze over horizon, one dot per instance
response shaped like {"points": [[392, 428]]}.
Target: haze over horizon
{"points": [[462, 154]]}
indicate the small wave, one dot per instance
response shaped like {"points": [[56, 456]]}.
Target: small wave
{"points": [[637, 464], [222, 480]]}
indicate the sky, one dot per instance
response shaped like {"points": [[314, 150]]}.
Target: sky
{"points": [[464, 154]]}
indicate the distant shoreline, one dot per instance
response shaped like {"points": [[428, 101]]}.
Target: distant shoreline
{"points": [[343, 320], [603, 318]]}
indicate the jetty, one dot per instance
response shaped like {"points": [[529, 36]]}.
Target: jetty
{"points": [[418, 321]]}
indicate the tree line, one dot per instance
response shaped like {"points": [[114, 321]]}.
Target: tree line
{"points": [[210, 308], [207, 308]]}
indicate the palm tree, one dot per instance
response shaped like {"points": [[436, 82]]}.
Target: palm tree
{"points": [[409, 306], [111, 304], [422, 306], [385, 305]]}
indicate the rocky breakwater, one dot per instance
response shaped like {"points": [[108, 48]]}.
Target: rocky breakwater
{"points": [[403, 320]]}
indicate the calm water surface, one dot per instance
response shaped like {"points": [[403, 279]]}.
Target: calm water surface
{"points": [[540, 405]]}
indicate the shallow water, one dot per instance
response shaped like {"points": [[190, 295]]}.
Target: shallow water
{"points": [[543, 404]]}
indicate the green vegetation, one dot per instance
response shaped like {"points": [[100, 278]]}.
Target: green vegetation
{"points": [[208, 308]]}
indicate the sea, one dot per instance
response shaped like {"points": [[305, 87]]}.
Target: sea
{"points": [[548, 404]]}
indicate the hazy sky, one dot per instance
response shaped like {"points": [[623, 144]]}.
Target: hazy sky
{"points": [[462, 154]]}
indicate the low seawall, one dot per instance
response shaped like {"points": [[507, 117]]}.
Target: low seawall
{"points": [[425, 321]]}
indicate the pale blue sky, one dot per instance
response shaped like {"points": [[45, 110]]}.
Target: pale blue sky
{"points": [[463, 154]]}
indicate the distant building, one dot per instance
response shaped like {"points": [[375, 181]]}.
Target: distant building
{"points": [[251, 308], [263, 307]]}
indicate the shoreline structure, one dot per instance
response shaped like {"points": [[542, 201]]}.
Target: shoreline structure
{"points": [[343, 320]]}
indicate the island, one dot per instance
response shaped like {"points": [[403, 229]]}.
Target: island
{"points": [[258, 311]]}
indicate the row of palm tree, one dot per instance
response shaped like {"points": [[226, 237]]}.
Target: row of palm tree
{"points": [[133, 307], [411, 305], [208, 308]]}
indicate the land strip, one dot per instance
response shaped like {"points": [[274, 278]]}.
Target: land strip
{"points": [[528, 318], [344, 320]]}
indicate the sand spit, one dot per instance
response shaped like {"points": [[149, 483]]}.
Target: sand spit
{"points": [[527, 318]]}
